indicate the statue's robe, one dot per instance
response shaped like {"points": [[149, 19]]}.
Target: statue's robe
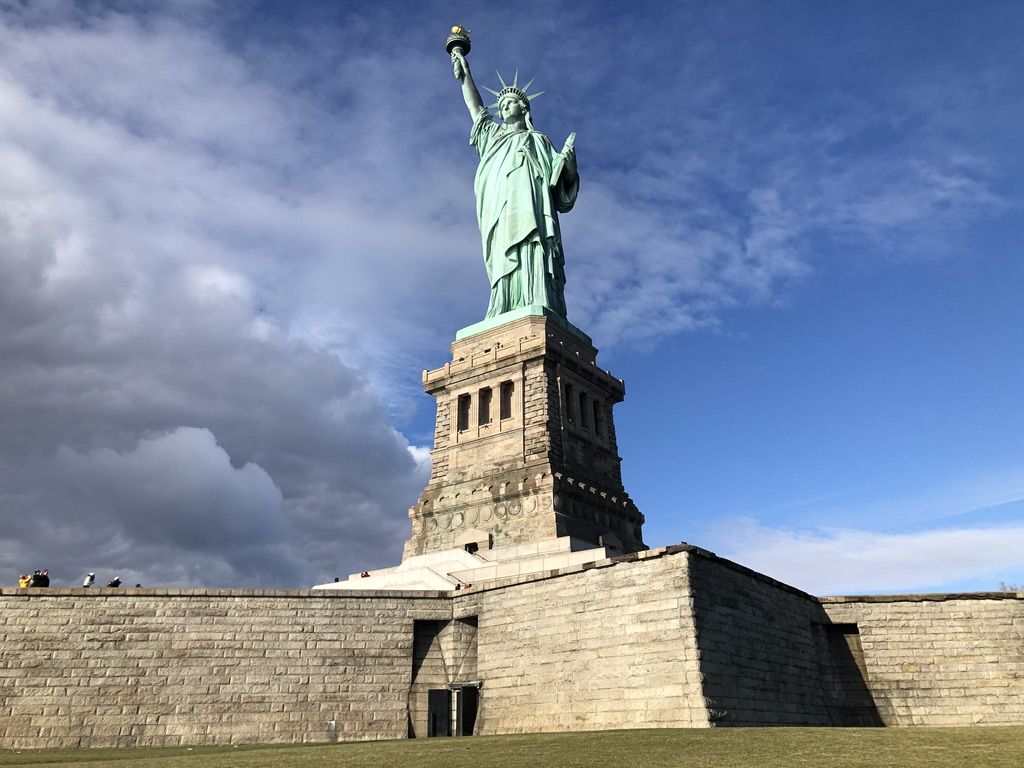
{"points": [[517, 207]]}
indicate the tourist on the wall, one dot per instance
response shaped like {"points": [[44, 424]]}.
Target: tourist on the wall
{"points": [[88, 580], [24, 581], [114, 582], [44, 579]]}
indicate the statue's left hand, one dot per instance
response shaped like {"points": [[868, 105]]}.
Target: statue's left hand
{"points": [[570, 162]]}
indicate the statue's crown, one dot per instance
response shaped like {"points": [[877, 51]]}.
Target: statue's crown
{"points": [[512, 90]]}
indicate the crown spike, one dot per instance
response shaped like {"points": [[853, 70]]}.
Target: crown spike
{"points": [[491, 91], [533, 96], [515, 80], [527, 86], [501, 80]]}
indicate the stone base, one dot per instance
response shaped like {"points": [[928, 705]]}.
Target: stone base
{"points": [[524, 443]]}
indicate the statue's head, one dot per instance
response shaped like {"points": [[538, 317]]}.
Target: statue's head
{"points": [[513, 102], [513, 106]]}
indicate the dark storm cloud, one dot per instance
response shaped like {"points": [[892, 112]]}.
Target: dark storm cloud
{"points": [[169, 410], [104, 466]]}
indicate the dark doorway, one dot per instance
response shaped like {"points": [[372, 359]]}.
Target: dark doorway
{"points": [[466, 705], [439, 712]]}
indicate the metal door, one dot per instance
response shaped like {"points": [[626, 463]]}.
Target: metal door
{"points": [[439, 712]]}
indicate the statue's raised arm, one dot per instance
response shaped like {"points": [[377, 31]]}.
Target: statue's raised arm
{"points": [[474, 103], [458, 46], [522, 184]]}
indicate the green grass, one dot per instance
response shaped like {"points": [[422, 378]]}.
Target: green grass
{"points": [[716, 748]]}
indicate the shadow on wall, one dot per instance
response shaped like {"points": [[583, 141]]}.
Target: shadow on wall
{"points": [[443, 695], [843, 675], [770, 655]]}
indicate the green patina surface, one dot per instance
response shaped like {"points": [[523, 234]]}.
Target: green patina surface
{"points": [[998, 747], [522, 184]]}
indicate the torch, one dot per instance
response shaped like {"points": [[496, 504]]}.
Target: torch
{"points": [[458, 40]]}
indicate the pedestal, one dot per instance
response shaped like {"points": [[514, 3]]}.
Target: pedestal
{"points": [[524, 444]]}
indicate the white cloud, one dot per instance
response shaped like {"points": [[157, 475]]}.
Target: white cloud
{"points": [[847, 561], [210, 283], [421, 455]]}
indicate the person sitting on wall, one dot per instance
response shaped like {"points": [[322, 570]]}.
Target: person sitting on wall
{"points": [[36, 579], [24, 581], [44, 579], [114, 582], [88, 580]]}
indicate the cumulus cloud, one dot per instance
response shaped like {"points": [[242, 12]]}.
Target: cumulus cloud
{"points": [[849, 561], [98, 359]]}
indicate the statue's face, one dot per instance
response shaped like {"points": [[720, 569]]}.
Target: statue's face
{"points": [[512, 110]]}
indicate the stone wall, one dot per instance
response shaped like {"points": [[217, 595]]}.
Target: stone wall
{"points": [[608, 646], [674, 637], [772, 655], [941, 659], [164, 667], [757, 647]]}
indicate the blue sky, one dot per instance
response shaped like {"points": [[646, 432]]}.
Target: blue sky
{"points": [[232, 234]]}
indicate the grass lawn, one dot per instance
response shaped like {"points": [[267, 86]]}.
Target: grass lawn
{"points": [[713, 748]]}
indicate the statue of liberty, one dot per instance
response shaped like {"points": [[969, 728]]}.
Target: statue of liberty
{"points": [[521, 185]]}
